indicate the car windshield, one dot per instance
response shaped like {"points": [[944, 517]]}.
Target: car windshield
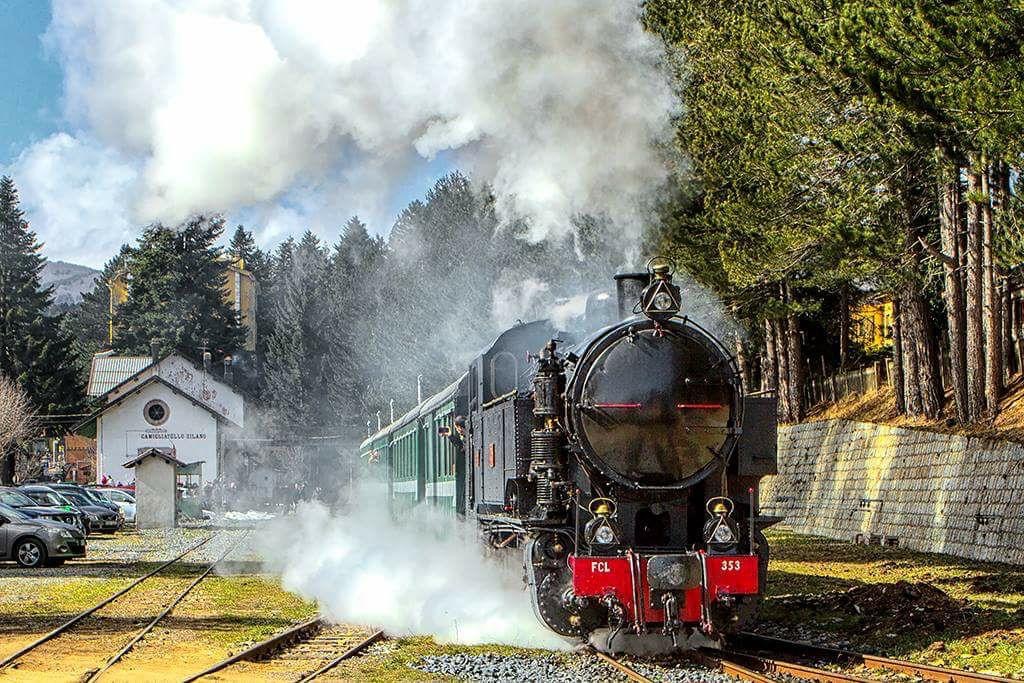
{"points": [[77, 498], [15, 499], [95, 496], [48, 498], [119, 497], [10, 513]]}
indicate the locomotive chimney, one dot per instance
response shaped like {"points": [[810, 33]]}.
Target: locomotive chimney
{"points": [[628, 287]]}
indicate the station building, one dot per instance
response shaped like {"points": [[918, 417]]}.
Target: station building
{"points": [[167, 403]]}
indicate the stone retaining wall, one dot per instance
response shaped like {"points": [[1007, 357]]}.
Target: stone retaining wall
{"points": [[923, 490]]}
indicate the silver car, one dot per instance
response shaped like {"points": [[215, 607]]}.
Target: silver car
{"points": [[37, 542]]}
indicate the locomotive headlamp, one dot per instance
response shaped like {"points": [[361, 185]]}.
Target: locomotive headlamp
{"points": [[604, 535], [600, 530], [721, 534], [660, 299], [662, 302]]}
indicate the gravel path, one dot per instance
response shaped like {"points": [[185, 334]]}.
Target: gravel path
{"points": [[119, 554], [578, 668]]}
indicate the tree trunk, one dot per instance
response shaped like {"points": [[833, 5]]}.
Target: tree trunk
{"points": [[796, 368], [1000, 199], [923, 368], [898, 372], [769, 368], [922, 376], [1010, 362], [973, 275], [783, 391], [794, 360], [953, 292], [844, 327], [911, 369], [741, 362], [8, 460], [990, 302]]}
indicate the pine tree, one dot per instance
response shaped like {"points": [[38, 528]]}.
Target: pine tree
{"points": [[302, 367], [34, 351], [243, 246], [89, 323], [175, 293]]}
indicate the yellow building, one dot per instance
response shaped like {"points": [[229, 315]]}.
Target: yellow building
{"points": [[871, 325], [240, 288]]}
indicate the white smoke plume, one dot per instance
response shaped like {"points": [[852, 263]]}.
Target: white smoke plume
{"points": [[422, 574], [227, 104]]}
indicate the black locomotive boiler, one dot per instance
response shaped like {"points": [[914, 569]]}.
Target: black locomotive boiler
{"points": [[623, 466]]}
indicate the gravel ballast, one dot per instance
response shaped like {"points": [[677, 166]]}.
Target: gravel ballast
{"points": [[581, 668]]}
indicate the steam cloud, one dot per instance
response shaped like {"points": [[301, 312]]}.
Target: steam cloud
{"points": [[295, 105], [425, 574]]}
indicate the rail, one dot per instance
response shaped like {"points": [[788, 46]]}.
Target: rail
{"points": [[831, 654], [68, 625], [628, 672], [265, 649], [145, 630]]}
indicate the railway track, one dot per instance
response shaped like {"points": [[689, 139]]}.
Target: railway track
{"points": [[766, 658], [67, 627], [306, 652], [626, 670]]}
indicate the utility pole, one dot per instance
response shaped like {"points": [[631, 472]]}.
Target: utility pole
{"points": [[419, 389]]}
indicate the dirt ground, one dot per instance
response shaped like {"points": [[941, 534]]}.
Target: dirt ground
{"points": [[926, 607]]}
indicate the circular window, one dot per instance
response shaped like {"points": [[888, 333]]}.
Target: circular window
{"points": [[156, 412]]}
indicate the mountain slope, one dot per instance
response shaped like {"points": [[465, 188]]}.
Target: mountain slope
{"points": [[69, 281]]}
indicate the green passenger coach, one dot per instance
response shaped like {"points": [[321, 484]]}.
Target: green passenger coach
{"points": [[417, 454]]}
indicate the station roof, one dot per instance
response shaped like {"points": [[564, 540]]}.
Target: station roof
{"points": [[162, 453], [108, 371], [155, 379]]}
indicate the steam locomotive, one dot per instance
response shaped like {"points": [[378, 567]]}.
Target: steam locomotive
{"points": [[624, 467]]}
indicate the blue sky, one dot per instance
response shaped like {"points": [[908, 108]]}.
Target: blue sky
{"points": [[30, 104], [31, 114], [301, 114]]}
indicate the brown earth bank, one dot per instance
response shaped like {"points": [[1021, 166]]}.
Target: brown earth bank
{"points": [[929, 608], [880, 407]]}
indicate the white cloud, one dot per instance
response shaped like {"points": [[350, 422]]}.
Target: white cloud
{"points": [[227, 104], [77, 196]]}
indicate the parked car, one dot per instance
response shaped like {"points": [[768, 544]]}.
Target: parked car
{"points": [[121, 499], [37, 542], [97, 518], [92, 496], [19, 501]]}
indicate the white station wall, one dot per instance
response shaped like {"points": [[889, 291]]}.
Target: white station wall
{"points": [[123, 430]]}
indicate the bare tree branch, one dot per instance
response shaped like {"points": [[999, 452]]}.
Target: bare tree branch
{"points": [[17, 423]]}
